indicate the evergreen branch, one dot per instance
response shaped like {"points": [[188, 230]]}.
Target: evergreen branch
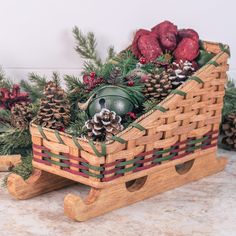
{"points": [[111, 53], [4, 82], [14, 141], [37, 80], [56, 78], [23, 169], [34, 92], [86, 46]]}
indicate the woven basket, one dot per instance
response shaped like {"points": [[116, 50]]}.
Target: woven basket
{"points": [[183, 126]]}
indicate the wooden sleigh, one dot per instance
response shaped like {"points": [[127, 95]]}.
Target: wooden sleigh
{"points": [[171, 145]]}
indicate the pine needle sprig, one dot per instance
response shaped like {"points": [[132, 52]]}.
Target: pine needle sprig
{"points": [[110, 53], [229, 99], [77, 127], [14, 141], [4, 81], [86, 46], [23, 169]]}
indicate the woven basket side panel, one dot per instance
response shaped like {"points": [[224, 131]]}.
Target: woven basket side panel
{"points": [[190, 125]]}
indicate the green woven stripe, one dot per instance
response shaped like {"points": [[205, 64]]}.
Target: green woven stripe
{"points": [[124, 163], [98, 154], [197, 79], [164, 158], [197, 140], [224, 48], [160, 108], [58, 156], [77, 143], [98, 176], [97, 168], [137, 126], [122, 171], [164, 151], [58, 137], [118, 139], [57, 163], [214, 63], [40, 129], [194, 148], [179, 92]]}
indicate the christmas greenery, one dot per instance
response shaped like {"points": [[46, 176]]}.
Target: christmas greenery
{"points": [[86, 47], [229, 99]]}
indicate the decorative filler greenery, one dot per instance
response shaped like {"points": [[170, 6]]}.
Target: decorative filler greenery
{"points": [[229, 99], [86, 47], [24, 169]]}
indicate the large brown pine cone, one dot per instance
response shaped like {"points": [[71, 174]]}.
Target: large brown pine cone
{"points": [[54, 109], [21, 115], [157, 86]]}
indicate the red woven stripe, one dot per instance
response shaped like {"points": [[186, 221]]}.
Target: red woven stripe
{"points": [[42, 161], [75, 158], [145, 167], [112, 163], [111, 178], [107, 172], [75, 172], [209, 146], [39, 147], [145, 160], [76, 165], [41, 154]]}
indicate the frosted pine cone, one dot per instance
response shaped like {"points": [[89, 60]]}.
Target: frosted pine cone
{"points": [[104, 125], [180, 72]]}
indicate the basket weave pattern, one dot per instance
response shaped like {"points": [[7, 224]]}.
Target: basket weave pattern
{"points": [[181, 127]]}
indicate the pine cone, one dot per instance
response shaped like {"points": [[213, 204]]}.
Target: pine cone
{"points": [[229, 131], [180, 72], [21, 115], [158, 86], [104, 125], [54, 111], [115, 76]]}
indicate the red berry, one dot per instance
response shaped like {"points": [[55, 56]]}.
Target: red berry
{"points": [[142, 60], [131, 83], [92, 74], [132, 115]]}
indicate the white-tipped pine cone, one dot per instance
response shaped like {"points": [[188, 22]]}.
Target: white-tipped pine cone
{"points": [[104, 125], [180, 72]]}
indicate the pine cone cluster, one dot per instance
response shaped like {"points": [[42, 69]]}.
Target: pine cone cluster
{"points": [[103, 125], [54, 111], [21, 115], [180, 72], [157, 86], [229, 131]]}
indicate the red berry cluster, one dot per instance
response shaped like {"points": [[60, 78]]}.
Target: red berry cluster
{"points": [[9, 98], [91, 81]]}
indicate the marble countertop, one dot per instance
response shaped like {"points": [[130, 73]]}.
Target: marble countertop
{"points": [[205, 207]]}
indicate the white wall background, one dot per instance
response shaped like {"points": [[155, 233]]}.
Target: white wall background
{"points": [[36, 34]]}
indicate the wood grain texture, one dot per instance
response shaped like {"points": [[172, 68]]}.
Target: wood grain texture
{"points": [[101, 201], [9, 161], [39, 182]]}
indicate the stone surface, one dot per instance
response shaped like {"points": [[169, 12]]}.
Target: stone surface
{"points": [[206, 207]]}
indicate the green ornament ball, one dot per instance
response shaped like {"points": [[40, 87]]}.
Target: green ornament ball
{"points": [[113, 98]]}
